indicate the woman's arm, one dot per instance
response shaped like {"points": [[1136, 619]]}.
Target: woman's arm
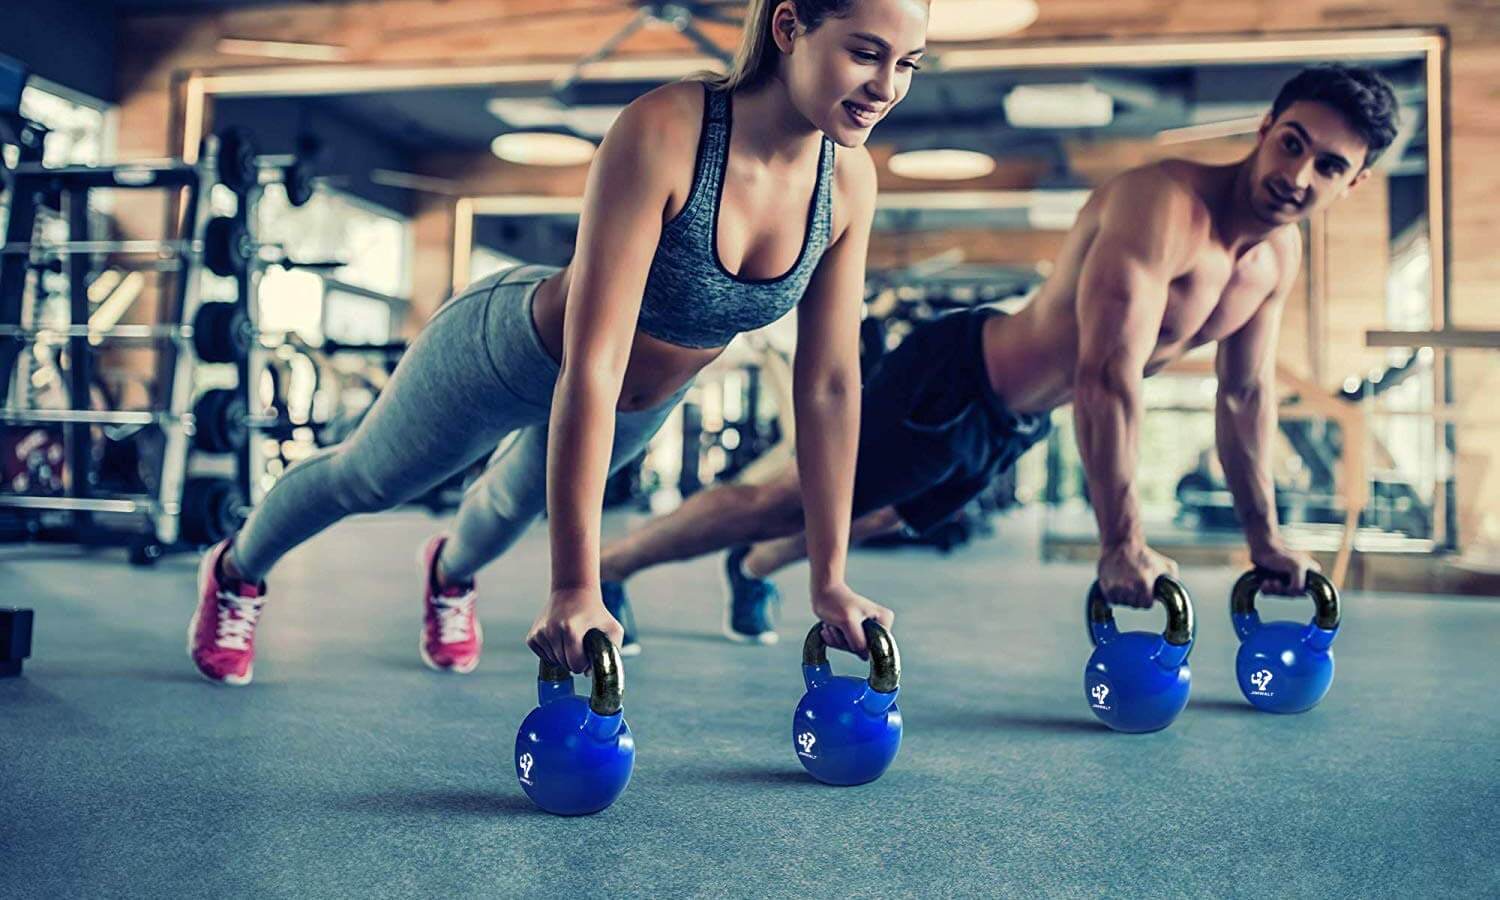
{"points": [[628, 192], [826, 391]]}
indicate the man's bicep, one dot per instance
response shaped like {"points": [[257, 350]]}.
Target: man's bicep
{"points": [[1247, 358], [1122, 296]]}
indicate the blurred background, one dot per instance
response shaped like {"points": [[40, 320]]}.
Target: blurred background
{"points": [[374, 157]]}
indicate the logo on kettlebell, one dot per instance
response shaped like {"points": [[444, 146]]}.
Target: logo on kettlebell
{"points": [[1260, 680], [805, 740], [525, 763], [1099, 692]]}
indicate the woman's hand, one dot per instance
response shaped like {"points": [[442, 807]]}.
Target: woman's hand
{"points": [[557, 634]]}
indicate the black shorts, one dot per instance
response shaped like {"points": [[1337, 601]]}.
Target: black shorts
{"points": [[932, 433]]}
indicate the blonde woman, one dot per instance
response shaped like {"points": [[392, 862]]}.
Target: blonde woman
{"points": [[712, 207]]}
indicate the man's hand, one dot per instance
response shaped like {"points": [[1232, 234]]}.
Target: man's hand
{"points": [[1291, 565], [557, 634], [843, 614], [1128, 573]]}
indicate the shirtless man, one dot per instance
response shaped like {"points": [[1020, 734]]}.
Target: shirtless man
{"points": [[1162, 259]]}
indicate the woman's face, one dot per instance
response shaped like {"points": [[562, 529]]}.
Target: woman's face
{"points": [[848, 73]]}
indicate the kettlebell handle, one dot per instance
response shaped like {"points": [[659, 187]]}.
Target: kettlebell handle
{"points": [[885, 659], [1169, 592], [1325, 597], [608, 692]]}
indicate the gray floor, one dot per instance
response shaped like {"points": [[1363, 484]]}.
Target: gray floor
{"points": [[349, 770]]}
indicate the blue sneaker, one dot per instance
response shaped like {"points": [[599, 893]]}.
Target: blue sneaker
{"points": [[618, 605], [750, 616]]}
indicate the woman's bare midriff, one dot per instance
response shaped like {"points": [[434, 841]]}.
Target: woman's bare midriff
{"points": [[656, 368]]}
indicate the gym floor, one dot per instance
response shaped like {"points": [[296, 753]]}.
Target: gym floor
{"points": [[349, 769]]}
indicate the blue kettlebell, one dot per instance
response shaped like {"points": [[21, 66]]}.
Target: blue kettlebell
{"points": [[847, 730], [574, 757], [1284, 667], [1138, 681]]}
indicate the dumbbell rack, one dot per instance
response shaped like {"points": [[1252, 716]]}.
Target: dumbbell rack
{"points": [[161, 509]]}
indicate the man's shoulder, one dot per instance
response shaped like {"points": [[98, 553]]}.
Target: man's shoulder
{"points": [[1287, 242], [1166, 189]]}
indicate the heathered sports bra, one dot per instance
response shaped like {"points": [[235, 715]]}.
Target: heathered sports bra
{"points": [[690, 299]]}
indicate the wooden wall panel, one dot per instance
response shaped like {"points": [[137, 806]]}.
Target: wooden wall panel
{"points": [[1012, 248]]}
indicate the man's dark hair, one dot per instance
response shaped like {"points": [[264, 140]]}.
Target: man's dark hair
{"points": [[1361, 96]]}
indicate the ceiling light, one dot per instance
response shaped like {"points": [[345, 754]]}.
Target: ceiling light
{"points": [[545, 112], [978, 20], [542, 148], [941, 165], [1058, 106]]}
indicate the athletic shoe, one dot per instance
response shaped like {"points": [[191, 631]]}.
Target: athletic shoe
{"points": [[451, 635], [750, 613], [618, 604], [221, 635]]}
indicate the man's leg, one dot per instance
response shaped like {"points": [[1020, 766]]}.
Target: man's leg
{"points": [[713, 519], [769, 557]]}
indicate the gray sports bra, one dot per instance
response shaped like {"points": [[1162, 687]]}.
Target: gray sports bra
{"points": [[690, 299]]}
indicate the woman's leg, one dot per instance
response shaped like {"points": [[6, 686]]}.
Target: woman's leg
{"points": [[503, 502], [442, 409]]}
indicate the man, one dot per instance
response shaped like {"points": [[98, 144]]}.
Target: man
{"points": [[1162, 259]]}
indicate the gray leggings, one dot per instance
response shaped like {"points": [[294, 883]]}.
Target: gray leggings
{"points": [[477, 373]]}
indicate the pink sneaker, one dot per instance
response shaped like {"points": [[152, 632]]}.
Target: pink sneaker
{"points": [[451, 635], [221, 636]]}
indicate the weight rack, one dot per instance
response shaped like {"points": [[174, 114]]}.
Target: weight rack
{"points": [[32, 185]]}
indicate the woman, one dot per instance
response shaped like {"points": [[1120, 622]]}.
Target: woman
{"points": [[712, 207]]}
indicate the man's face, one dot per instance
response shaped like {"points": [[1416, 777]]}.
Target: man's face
{"points": [[1308, 157]]}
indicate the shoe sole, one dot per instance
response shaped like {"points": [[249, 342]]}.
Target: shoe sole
{"points": [[427, 659], [231, 680], [764, 639]]}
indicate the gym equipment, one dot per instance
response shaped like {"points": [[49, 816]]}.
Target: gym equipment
{"points": [[1284, 666], [15, 640], [574, 757], [847, 730], [237, 167], [31, 460], [212, 510], [298, 181], [227, 248], [1138, 681], [158, 500], [219, 422], [241, 165], [222, 333], [297, 177]]}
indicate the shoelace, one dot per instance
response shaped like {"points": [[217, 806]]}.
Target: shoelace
{"points": [[237, 617], [453, 617]]}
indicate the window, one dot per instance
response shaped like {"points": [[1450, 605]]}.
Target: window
{"points": [[78, 133], [374, 244]]}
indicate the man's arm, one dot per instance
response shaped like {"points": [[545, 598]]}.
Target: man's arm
{"points": [[1144, 241], [1245, 422]]}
